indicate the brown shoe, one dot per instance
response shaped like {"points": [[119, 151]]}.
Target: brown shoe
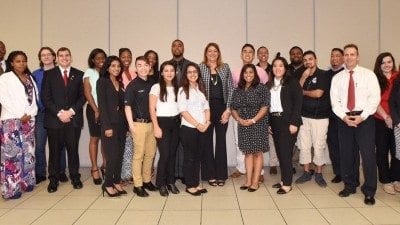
{"points": [[273, 170], [236, 174], [261, 179]]}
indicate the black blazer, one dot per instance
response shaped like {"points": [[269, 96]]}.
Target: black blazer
{"points": [[111, 105], [56, 96], [394, 101], [292, 100]]}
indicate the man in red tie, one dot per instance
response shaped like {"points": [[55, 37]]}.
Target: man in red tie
{"points": [[355, 96], [63, 99]]}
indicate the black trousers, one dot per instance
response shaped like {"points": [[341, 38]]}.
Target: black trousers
{"points": [[193, 143], [352, 142], [214, 165], [179, 160], [114, 151], [333, 144], [167, 146], [388, 171], [284, 142], [67, 136]]}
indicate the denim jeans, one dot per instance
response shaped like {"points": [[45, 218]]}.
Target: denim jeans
{"points": [[40, 148]]}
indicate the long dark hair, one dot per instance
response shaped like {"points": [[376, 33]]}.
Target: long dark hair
{"points": [[104, 70], [11, 57], [155, 66], [185, 82], [163, 85], [242, 81], [383, 82], [286, 75], [93, 54]]}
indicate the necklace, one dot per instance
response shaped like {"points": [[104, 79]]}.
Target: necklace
{"points": [[214, 79]]}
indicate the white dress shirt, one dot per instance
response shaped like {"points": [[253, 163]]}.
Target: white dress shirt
{"points": [[276, 105], [195, 105], [367, 92], [167, 108]]}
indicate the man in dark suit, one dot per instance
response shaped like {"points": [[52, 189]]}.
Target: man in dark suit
{"points": [[63, 98]]}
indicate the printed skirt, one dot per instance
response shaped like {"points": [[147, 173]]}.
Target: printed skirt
{"points": [[17, 168], [126, 171]]}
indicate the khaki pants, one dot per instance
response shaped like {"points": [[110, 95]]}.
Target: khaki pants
{"points": [[143, 156], [313, 133]]}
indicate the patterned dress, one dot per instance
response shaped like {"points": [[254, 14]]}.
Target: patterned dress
{"points": [[253, 138], [17, 169]]}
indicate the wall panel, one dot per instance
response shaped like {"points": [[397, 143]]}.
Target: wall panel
{"points": [[390, 23]]}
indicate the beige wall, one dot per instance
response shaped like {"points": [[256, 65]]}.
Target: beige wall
{"points": [[83, 25]]}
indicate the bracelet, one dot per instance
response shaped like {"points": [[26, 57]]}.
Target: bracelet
{"points": [[252, 120]]}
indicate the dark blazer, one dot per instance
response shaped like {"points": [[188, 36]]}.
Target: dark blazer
{"points": [[111, 105], [394, 101], [56, 96], [292, 100]]}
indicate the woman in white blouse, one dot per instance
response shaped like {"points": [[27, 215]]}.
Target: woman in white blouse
{"points": [[165, 117], [195, 112]]}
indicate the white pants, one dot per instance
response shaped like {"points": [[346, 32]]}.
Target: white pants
{"points": [[313, 133]]}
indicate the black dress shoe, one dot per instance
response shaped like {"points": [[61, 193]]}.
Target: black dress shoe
{"points": [[337, 179], [150, 186], [202, 191], [163, 191], [140, 192], [346, 192], [282, 191], [173, 189], [369, 200], [277, 185], [62, 177], [76, 184], [196, 193], [39, 179], [53, 185]]}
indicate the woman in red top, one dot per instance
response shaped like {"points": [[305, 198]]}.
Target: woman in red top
{"points": [[384, 139]]}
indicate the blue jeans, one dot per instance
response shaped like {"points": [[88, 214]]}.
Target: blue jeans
{"points": [[40, 148]]}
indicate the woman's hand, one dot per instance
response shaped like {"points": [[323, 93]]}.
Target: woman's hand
{"points": [[225, 116], [293, 129], [96, 116], [157, 132], [389, 122], [108, 133]]}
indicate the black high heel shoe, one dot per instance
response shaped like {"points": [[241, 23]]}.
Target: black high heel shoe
{"points": [[96, 181], [120, 192], [104, 189], [282, 191]]}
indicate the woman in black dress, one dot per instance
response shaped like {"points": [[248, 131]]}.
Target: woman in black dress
{"points": [[250, 104]]}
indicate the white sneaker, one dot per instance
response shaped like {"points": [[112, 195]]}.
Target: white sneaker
{"points": [[389, 188]]}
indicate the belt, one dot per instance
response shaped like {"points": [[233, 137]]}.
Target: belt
{"points": [[142, 120], [276, 114], [354, 113]]}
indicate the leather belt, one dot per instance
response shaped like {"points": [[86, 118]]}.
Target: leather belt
{"points": [[142, 120]]}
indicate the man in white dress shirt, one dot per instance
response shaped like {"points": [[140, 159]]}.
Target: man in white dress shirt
{"points": [[355, 96]]}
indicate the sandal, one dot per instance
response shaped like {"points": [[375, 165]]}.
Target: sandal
{"points": [[213, 183], [220, 183], [96, 181]]}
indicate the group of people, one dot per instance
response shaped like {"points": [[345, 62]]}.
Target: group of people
{"points": [[178, 106]]}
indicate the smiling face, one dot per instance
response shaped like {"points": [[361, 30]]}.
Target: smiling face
{"points": [[19, 64], [212, 54], [263, 55], [310, 61], [278, 69], [99, 60], [64, 59], [296, 56], [351, 57], [247, 55], [114, 69], [192, 74], [336, 59], [47, 58], [249, 75], [387, 65], [168, 73], [177, 49], [142, 68], [126, 59], [152, 59]]}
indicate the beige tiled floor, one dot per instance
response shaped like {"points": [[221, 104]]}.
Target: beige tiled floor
{"points": [[306, 204]]}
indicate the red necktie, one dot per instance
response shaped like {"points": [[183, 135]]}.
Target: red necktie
{"points": [[351, 96], [65, 77]]}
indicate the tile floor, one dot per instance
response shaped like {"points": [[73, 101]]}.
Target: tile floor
{"points": [[306, 204]]}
